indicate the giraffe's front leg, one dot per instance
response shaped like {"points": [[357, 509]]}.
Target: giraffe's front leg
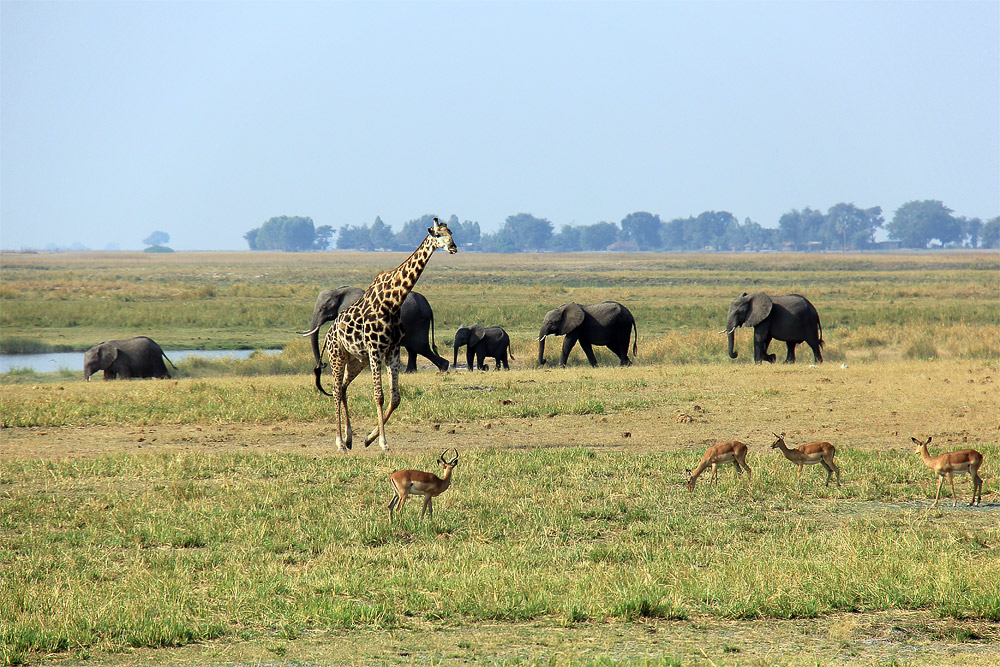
{"points": [[340, 398], [394, 365]]}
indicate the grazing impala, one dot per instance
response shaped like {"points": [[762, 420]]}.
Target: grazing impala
{"points": [[724, 452], [809, 454], [950, 463], [419, 483]]}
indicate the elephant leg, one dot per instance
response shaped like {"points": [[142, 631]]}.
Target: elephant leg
{"points": [[568, 343], [470, 355], [502, 359], [588, 350], [411, 360], [621, 351], [790, 357], [760, 345], [817, 353]]}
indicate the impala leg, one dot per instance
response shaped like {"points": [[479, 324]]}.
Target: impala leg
{"points": [[715, 474], [938, 495], [977, 485], [954, 498], [836, 469], [829, 471], [394, 501], [427, 505]]}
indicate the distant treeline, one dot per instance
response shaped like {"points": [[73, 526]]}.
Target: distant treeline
{"points": [[916, 224]]}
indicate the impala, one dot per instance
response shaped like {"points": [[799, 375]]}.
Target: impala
{"points": [[734, 452], [419, 483], [809, 454], [950, 463]]}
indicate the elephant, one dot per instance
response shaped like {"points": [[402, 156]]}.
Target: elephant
{"points": [[608, 323], [790, 318], [483, 342], [416, 315], [138, 357]]}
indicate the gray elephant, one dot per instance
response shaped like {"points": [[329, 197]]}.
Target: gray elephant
{"points": [[483, 342], [416, 315], [790, 318], [138, 357], [609, 324]]}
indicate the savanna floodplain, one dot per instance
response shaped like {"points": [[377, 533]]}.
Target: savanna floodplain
{"points": [[208, 519]]}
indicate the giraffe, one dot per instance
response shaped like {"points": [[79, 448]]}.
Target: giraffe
{"points": [[370, 330]]}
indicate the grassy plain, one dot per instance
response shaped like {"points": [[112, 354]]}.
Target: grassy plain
{"points": [[207, 519]]}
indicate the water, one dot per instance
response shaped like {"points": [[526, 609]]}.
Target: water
{"points": [[54, 361]]}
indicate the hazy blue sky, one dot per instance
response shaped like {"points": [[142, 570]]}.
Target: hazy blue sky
{"points": [[204, 119]]}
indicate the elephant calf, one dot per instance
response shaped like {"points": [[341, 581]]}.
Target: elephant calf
{"points": [[138, 357], [482, 342]]}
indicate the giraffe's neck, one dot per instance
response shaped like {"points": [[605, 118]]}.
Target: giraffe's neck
{"points": [[407, 273], [393, 286]]}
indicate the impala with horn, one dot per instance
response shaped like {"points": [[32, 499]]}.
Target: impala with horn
{"points": [[420, 483]]}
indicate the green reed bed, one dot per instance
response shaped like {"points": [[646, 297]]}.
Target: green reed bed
{"points": [[168, 549]]}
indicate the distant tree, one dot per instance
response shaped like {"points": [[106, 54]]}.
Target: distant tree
{"points": [[524, 233], [323, 235], [598, 236], [157, 238], [801, 227], [643, 228], [465, 233], [354, 237], [381, 235], [989, 234], [567, 240], [672, 233], [972, 229], [850, 228], [917, 223], [286, 233], [414, 231]]}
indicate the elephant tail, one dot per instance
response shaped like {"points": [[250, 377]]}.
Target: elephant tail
{"points": [[635, 339], [434, 348], [168, 359], [820, 327]]}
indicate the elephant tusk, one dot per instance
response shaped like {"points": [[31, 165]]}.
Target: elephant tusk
{"points": [[310, 332]]}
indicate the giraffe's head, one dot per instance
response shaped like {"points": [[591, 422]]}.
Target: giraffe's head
{"points": [[441, 237]]}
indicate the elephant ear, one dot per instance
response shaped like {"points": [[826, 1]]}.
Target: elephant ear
{"points": [[106, 355], [476, 333], [572, 317], [760, 308]]}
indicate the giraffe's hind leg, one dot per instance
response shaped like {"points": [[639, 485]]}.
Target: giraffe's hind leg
{"points": [[394, 365], [352, 369]]}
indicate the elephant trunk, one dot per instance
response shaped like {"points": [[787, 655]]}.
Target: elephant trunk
{"points": [[541, 350], [731, 335]]}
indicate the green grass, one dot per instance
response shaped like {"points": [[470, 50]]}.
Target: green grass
{"points": [[258, 300], [163, 550]]}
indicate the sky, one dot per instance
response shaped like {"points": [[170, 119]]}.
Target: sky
{"points": [[205, 119]]}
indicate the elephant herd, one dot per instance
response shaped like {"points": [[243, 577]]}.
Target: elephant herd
{"points": [[789, 318]]}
